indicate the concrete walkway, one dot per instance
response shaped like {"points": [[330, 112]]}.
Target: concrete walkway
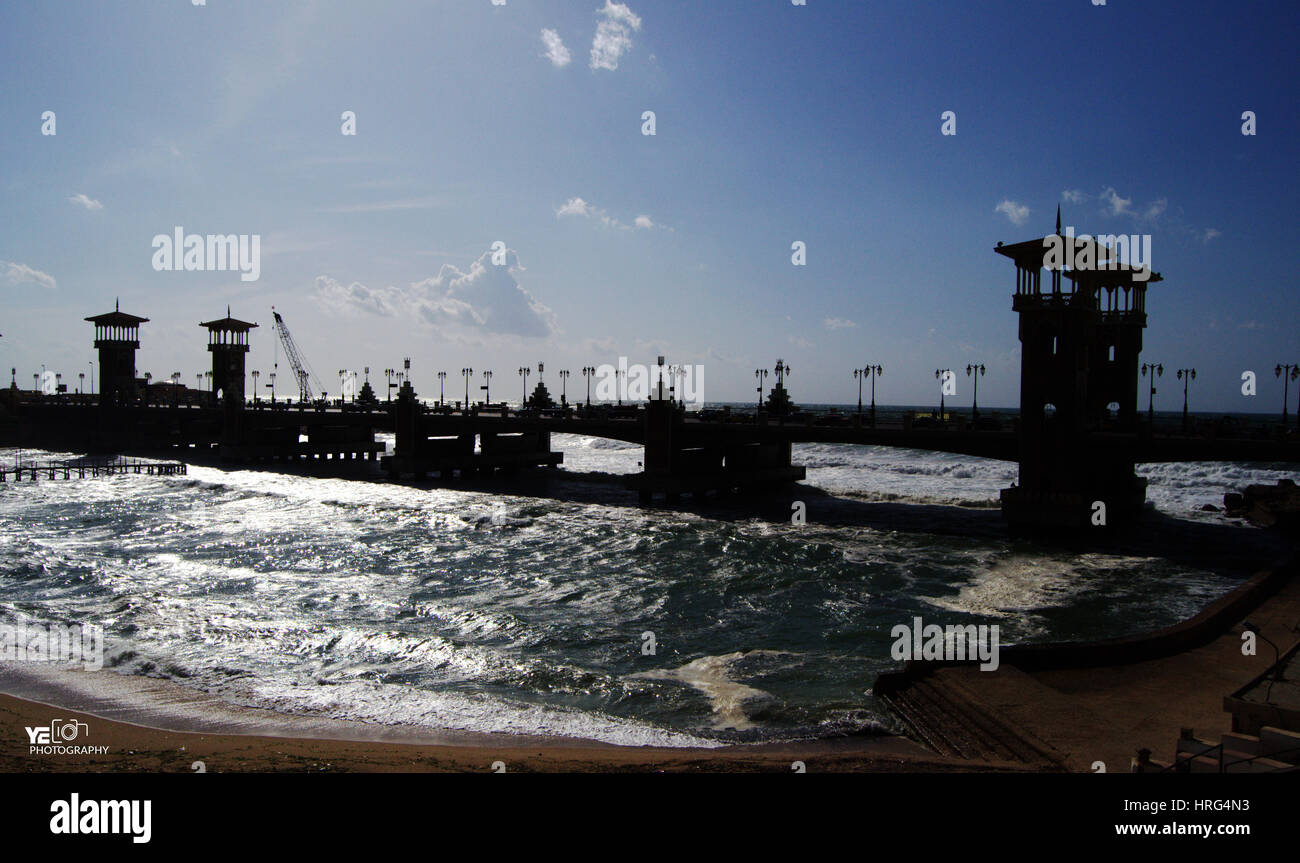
{"points": [[1073, 713]]}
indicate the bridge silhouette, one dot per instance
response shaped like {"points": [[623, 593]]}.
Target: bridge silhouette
{"points": [[1077, 439]]}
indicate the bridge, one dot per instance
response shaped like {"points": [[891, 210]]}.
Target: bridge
{"points": [[1077, 439]]}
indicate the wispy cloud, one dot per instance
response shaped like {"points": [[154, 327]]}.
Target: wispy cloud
{"points": [[613, 36], [583, 208], [838, 324], [1155, 209], [20, 274], [1073, 196], [86, 201], [1116, 206], [1210, 234], [555, 50], [574, 207], [1017, 213]]}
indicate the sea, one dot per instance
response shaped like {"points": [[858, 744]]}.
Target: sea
{"points": [[555, 606]]}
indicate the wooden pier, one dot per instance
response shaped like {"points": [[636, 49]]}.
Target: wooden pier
{"points": [[80, 469]]}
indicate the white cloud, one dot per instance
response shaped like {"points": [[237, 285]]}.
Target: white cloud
{"points": [[555, 50], [574, 207], [1155, 209], [1118, 206], [586, 209], [1210, 234], [1073, 196], [613, 36], [838, 324], [87, 202], [1017, 213], [485, 298], [20, 274]]}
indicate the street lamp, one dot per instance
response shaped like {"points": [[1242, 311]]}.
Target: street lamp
{"points": [[1186, 376], [256, 374], [81, 384], [487, 383], [272, 385], [1157, 371], [587, 372], [976, 371], [442, 376], [942, 375], [761, 374], [859, 375], [564, 387], [524, 371], [873, 372], [1288, 372], [618, 390], [467, 372]]}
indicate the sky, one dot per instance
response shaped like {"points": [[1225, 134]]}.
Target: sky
{"points": [[520, 127]]}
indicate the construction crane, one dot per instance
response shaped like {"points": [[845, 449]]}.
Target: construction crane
{"points": [[301, 369]]}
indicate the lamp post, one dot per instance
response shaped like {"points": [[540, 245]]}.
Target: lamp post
{"points": [[1157, 370], [272, 386], [618, 390], [974, 370], [81, 384], [761, 374], [388, 373], [859, 375], [587, 372], [467, 372], [1288, 372], [942, 375], [343, 376], [256, 374], [524, 371], [873, 372], [487, 382], [442, 376], [1186, 376], [564, 387]]}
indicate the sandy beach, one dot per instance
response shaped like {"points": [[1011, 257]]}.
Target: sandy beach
{"points": [[142, 749]]}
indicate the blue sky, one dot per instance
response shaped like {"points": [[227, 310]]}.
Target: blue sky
{"points": [[774, 123]]}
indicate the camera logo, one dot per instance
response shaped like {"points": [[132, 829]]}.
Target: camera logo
{"points": [[62, 737], [58, 731]]}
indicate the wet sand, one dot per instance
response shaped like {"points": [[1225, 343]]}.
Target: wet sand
{"points": [[143, 749]]}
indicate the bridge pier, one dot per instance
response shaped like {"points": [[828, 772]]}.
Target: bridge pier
{"points": [[678, 462]]}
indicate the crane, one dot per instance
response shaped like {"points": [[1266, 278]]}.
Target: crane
{"points": [[300, 368]]}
